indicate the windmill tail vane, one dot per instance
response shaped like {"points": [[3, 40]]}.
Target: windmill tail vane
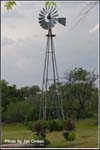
{"points": [[51, 106]]}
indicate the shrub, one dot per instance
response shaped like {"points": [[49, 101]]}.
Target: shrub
{"points": [[71, 136], [45, 124], [70, 125], [52, 125], [41, 126], [60, 125], [40, 137], [68, 133], [39, 130], [55, 125], [36, 137]]}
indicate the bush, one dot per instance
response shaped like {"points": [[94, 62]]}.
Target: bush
{"points": [[50, 125], [36, 137], [69, 135], [45, 124], [55, 125], [39, 137], [68, 131], [70, 125], [39, 130]]}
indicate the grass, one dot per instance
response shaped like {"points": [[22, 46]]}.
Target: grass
{"points": [[14, 132], [86, 135]]}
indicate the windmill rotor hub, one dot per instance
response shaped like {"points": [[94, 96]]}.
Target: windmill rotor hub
{"points": [[49, 16]]}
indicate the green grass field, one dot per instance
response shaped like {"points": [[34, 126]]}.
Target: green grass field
{"points": [[86, 135]]}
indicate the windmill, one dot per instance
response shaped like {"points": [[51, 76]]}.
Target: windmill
{"points": [[51, 106]]}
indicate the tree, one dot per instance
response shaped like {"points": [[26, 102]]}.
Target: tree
{"points": [[5, 92], [9, 94], [33, 113], [13, 97], [30, 93], [9, 5], [16, 112], [78, 90]]}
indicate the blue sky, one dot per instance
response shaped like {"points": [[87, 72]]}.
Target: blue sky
{"points": [[24, 42]]}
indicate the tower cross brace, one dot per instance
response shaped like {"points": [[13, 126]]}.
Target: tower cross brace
{"points": [[51, 106]]}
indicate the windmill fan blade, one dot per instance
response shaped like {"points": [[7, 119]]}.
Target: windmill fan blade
{"points": [[53, 10], [62, 21], [42, 12], [41, 15], [55, 15], [41, 19]]}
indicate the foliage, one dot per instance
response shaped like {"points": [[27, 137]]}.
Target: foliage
{"points": [[16, 112], [32, 113], [69, 133], [48, 4], [55, 125], [11, 96], [39, 137], [79, 95], [70, 125], [39, 130], [45, 124], [8, 5], [36, 137], [77, 92], [71, 136], [80, 75], [49, 125], [39, 133]]}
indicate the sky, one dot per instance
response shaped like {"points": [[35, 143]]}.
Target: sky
{"points": [[23, 41]]}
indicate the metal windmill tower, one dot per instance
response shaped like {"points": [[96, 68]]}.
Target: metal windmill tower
{"points": [[51, 106]]}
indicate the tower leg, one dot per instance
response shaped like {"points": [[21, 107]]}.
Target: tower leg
{"points": [[51, 106]]}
